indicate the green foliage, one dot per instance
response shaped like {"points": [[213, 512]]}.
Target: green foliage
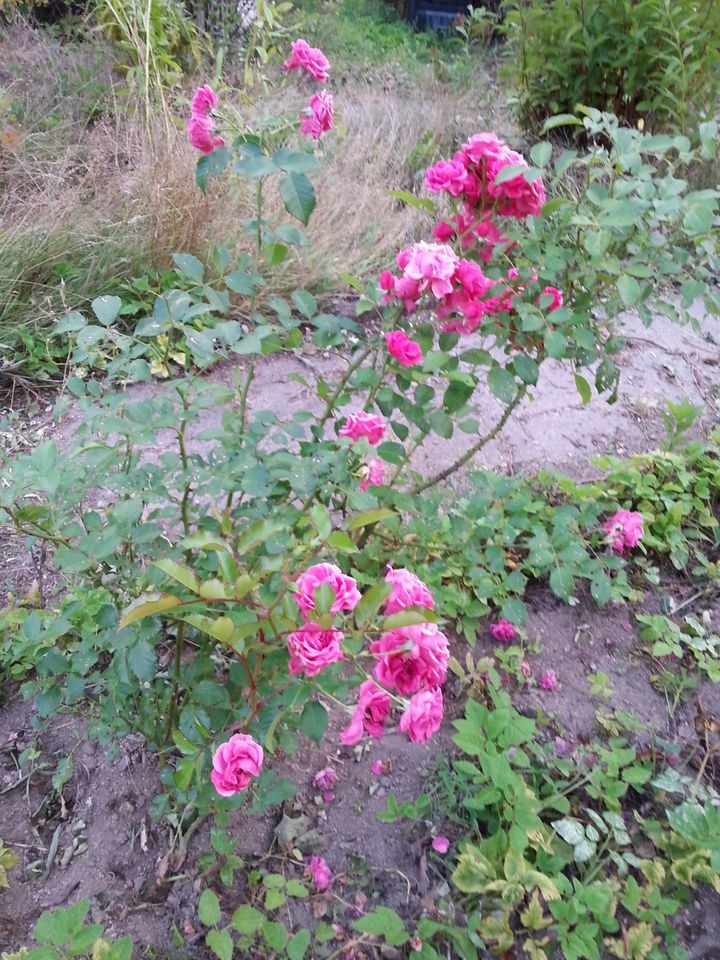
{"points": [[64, 933], [691, 644], [155, 38], [656, 59], [552, 852]]}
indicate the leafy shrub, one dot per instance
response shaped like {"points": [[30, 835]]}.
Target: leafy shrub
{"points": [[653, 59], [552, 847]]}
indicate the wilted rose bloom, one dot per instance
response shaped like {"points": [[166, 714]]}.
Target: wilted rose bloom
{"points": [[378, 767], [235, 763], [312, 649], [347, 595], [502, 630], [408, 590], [320, 118], [423, 716], [525, 669], [557, 299], [310, 59], [624, 529], [321, 873], [370, 714], [361, 424], [325, 779], [405, 351], [548, 680], [204, 100], [448, 176], [441, 844], [424, 664], [374, 475], [200, 135]]}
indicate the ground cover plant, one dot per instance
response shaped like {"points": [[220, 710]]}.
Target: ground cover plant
{"points": [[223, 584]]}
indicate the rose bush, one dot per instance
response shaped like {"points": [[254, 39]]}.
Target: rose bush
{"points": [[244, 587]]}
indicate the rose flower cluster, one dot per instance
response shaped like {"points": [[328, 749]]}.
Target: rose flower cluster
{"points": [[316, 120], [464, 295]]}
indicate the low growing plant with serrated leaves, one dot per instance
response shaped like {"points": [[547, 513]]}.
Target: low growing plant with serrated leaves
{"points": [[549, 847]]}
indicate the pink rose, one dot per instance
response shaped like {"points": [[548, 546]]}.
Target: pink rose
{"points": [[423, 716], [312, 649], [483, 146], [411, 658], [321, 873], [441, 844], [370, 714], [374, 475], [429, 265], [311, 59], [235, 763], [548, 680], [448, 176], [343, 586], [361, 424], [557, 299], [405, 351], [200, 134], [408, 590], [204, 100], [378, 768], [502, 630], [624, 529], [444, 231], [320, 118]]}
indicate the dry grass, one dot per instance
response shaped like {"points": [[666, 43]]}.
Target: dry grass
{"points": [[93, 194]]}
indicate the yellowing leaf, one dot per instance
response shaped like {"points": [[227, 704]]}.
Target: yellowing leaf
{"points": [[146, 605]]}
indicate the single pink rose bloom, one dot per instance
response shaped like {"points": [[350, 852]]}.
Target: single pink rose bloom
{"points": [[312, 649], [347, 595], [361, 424], [448, 176], [320, 118], [204, 100], [548, 681], [377, 768], [441, 844], [411, 658], [423, 716], [320, 872], [370, 714], [557, 299], [624, 529], [502, 630], [374, 475], [430, 265], [200, 135], [408, 590], [235, 763], [310, 59], [405, 351], [325, 779], [444, 231]]}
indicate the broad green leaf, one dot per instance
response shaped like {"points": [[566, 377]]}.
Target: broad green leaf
{"points": [[179, 572], [145, 606], [220, 942], [420, 203], [247, 920], [190, 266], [371, 602], [298, 196], [629, 290], [368, 517], [298, 945], [209, 908], [254, 167], [314, 720], [385, 923], [502, 384], [211, 165], [106, 309]]}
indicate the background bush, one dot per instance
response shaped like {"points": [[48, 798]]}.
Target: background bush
{"points": [[651, 59]]}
